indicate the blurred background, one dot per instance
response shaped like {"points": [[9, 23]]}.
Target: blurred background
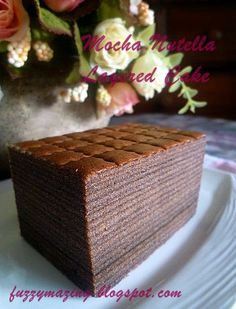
{"points": [[217, 20]]}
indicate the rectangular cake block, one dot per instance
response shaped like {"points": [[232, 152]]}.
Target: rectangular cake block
{"points": [[97, 203]]}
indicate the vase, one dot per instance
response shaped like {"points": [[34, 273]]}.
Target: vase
{"points": [[30, 109]]}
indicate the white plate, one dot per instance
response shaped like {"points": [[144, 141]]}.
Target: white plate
{"points": [[199, 260]]}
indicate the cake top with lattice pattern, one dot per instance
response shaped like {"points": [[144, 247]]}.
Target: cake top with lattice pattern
{"points": [[94, 150]]}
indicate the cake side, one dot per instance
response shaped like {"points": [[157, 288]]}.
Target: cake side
{"points": [[52, 215], [97, 203], [139, 200]]}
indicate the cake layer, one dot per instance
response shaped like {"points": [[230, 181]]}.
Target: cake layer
{"points": [[116, 271], [57, 257], [54, 197], [72, 245], [142, 205], [97, 203], [152, 185], [113, 274], [116, 250], [156, 161]]}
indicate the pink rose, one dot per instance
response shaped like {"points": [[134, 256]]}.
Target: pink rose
{"points": [[14, 20], [62, 5], [123, 98]]}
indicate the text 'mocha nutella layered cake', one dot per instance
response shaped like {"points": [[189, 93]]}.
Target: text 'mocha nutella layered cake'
{"points": [[97, 203]]}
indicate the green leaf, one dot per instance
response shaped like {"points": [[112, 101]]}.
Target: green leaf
{"points": [[78, 41], [183, 110], [109, 9], [40, 35], [174, 87], [175, 59], [181, 92], [52, 22], [185, 70], [162, 53], [192, 108], [144, 35], [84, 65], [74, 76], [200, 104], [190, 93], [3, 46]]}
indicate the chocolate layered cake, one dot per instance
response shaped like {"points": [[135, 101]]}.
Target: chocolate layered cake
{"points": [[97, 203]]}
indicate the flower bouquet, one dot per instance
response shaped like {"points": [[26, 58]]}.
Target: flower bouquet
{"points": [[112, 45]]}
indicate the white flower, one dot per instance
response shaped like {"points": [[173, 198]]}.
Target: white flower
{"points": [[134, 6], [18, 51], [146, 16], [111, 60], [131, 29], [103, 97], [77, 94], [146, 64], [80, 93], [66, 95], [43, 51], [148, 19]]}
